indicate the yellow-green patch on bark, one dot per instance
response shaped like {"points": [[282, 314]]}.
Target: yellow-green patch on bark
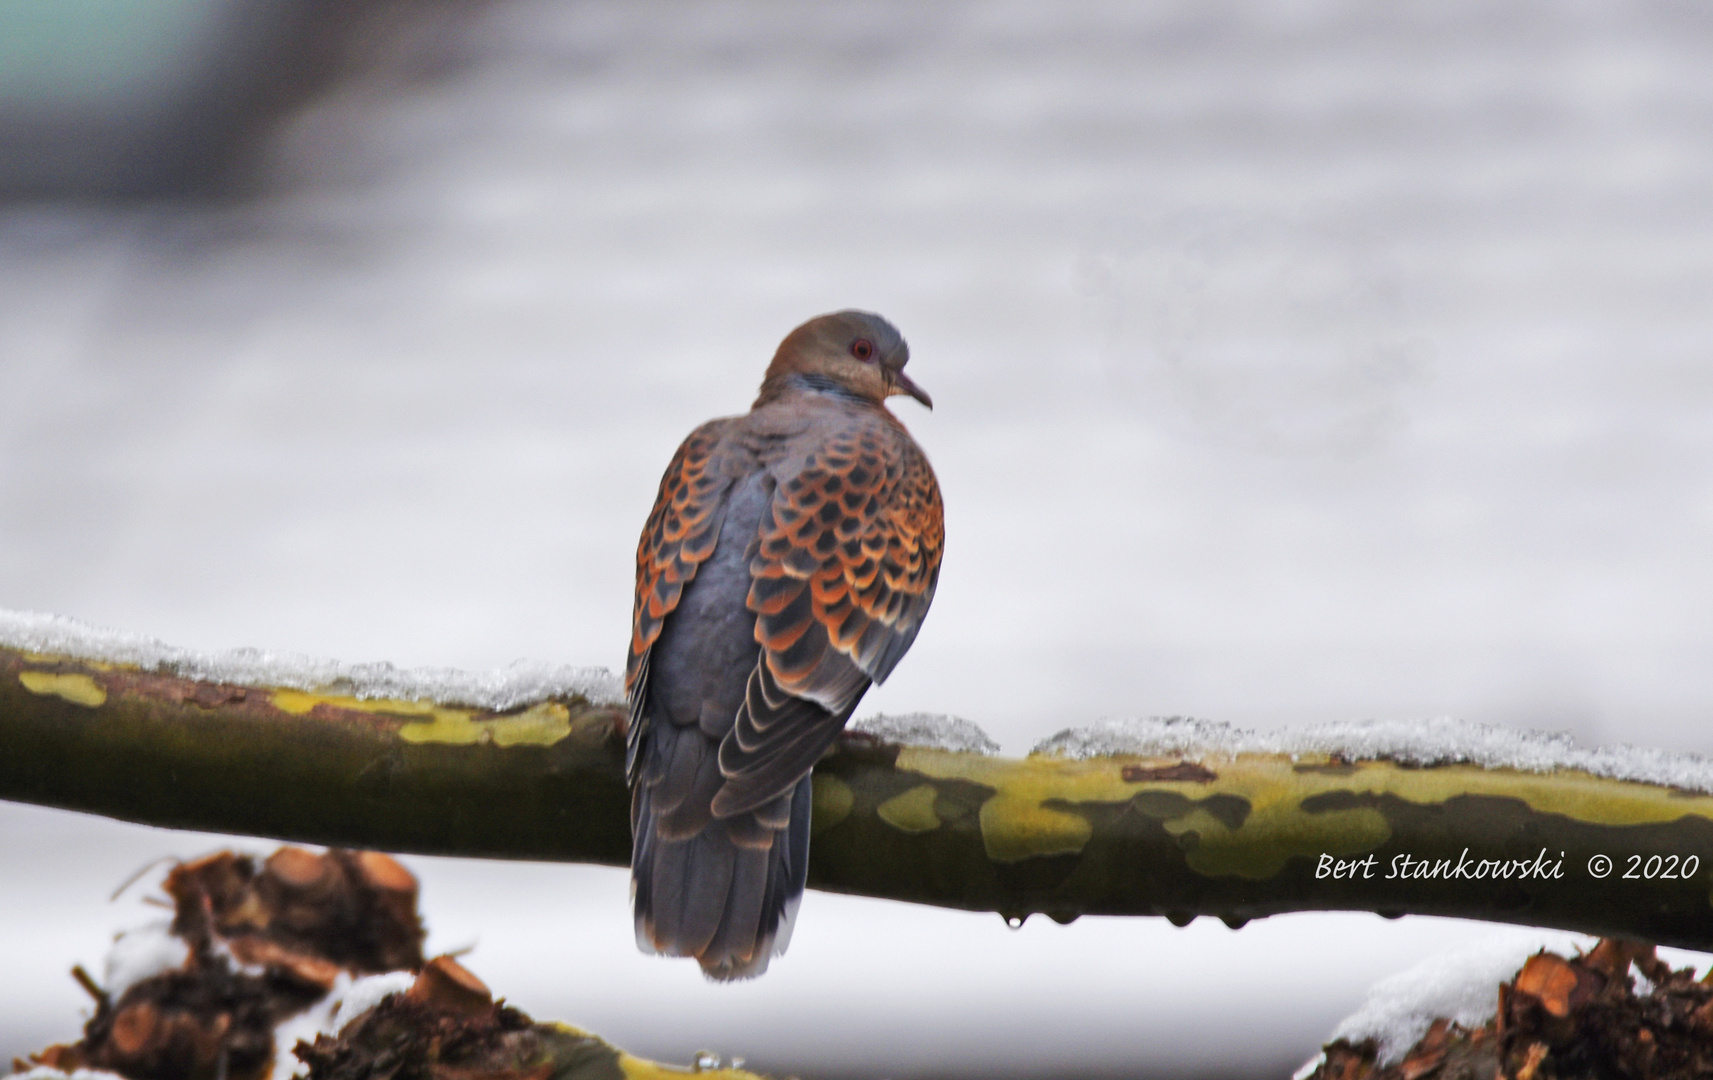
{"points": [[1015, 824], [1221, 850], [911, 812], [832, 802], [1577, 795], [303, 702], [1013, 829], [1035, 778], [1276, 787], [542, 724], [75, 688]]}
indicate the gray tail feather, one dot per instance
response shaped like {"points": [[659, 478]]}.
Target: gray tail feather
{"points": [[729, 905]]}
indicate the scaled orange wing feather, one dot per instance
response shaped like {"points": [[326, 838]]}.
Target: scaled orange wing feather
{"points": [[678, 537], [845, 568]]}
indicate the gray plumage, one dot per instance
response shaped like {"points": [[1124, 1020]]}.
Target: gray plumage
{"points": [[788, 563]]}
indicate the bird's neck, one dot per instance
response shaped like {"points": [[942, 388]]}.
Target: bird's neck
{"points": [[779, 386]]}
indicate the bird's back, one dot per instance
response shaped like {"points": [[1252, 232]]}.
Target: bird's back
{"points": [[707, 646], [790, 557]]}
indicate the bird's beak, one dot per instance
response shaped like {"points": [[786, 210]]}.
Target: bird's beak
{"points": [[901, 384]]}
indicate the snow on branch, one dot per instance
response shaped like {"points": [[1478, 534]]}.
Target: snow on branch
{"points": [[1435, 741], [1174, 818], [519, 684]]}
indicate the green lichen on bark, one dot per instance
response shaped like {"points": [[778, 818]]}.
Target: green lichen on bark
{"points": [[323, 768], [1238, 838]]}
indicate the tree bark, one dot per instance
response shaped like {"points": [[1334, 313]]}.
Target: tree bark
{"points": [[1237, 838]]}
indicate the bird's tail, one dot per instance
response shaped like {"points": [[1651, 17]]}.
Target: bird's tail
{"points": [[725, 891]]}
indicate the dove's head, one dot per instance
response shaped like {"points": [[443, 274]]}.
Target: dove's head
{"points": [[856, 352]]}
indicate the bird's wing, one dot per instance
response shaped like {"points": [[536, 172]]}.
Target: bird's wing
{"points": [[678, 537], [845, 567]]}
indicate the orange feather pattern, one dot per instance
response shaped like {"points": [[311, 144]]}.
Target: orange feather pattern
{"points": [[859, 533], [678, 537], [788, 563]]}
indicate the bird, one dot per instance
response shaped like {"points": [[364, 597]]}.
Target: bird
{"points": [[788, 563]]}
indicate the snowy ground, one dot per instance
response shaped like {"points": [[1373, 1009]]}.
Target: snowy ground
{"points": [[1293, 363]]}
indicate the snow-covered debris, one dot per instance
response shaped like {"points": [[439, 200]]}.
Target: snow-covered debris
{"points": [[933, 730], [1461, 986], [1438, 741], [361, 996], [518, 684], [142, 953], [306, 1025]]}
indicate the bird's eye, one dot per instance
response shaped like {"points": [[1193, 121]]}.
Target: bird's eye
{"points": [[862, 349]]}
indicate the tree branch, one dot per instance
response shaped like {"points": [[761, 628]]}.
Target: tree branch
{"points": [[1238, 837]]}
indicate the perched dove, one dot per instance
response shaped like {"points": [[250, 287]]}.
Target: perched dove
{"points": [[789, 561]]}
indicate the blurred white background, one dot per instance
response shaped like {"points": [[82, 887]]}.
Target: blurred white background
{"points": [[1293, 362]]}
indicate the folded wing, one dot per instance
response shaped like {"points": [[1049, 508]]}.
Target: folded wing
{"points": [[680, 534], [845, 567]]}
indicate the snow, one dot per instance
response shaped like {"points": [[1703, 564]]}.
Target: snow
{"points": [[319, 1019], [151, 949], [142, 953], [360, 996], [519, 684], [1436, 741], [348, 999], [1442, 740], [934, 730], [1461, 986]]}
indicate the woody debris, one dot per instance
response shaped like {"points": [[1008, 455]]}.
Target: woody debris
{"points": [[1580, 1018], [266, 941]]}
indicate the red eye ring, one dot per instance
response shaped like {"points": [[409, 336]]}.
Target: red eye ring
{"points": [[862, 349]]}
